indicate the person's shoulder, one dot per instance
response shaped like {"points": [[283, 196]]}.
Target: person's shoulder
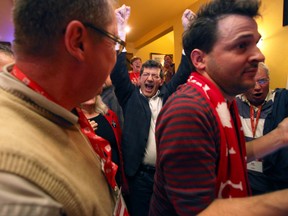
{"points": [[189, 91], [280, 90], [279, 93], [188, 104], [188, 97]]}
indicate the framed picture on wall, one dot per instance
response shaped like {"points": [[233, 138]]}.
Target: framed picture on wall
{"points": [[285, 13], [158, 57]]}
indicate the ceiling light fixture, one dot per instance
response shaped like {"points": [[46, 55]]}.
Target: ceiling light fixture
{"points": [[127, 29]]}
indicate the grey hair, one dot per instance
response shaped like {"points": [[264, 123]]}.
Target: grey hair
{"points": [[264, 67]]}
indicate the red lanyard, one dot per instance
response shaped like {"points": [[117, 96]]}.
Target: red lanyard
{"points": [[100, 145], [254, 122], [16, 72]]}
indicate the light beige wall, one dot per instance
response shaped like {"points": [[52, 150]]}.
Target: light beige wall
{"points": [[164, 45], [145, 45], [275, 41]]}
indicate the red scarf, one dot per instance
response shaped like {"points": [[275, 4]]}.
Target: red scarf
{"points": [[232, 180], [101, 147], [112, 118]]}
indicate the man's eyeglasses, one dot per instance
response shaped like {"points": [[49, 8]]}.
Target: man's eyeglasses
{"points": [[116, 39], [262, 81], [154, 76]]}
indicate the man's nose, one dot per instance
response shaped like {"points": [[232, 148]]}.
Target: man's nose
{"points": [[150, 77], [258, 55]]}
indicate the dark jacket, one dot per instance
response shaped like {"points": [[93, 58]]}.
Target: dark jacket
{"points": [[276, 164], [136, 110]]}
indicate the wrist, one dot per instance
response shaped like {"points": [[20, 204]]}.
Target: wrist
{"points": [[122, 34]]}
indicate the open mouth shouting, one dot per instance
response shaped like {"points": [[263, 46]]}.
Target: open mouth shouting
{"points": [[149, 87]]}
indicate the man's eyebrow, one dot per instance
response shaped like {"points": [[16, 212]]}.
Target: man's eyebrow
{"points": [[247, 36]]}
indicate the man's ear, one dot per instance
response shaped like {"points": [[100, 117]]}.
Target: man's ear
{"points": [[74, 39], [197, 58]]}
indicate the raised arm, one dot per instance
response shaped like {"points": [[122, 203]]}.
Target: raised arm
{"points": [[121, 81], [184, 69], [119, 76]]}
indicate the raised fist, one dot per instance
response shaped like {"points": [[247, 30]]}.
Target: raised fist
{"points": [[187, 18], [122, 14]]}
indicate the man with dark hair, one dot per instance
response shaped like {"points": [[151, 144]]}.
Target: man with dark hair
{"points": [[6, 55], [141, 105], [201, 154], [50, 163]]}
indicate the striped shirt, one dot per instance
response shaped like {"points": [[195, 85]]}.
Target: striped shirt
{"points": [[187, 155]]}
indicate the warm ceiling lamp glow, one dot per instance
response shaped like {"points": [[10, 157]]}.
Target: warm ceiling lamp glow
{"points": [[127, 29]]}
